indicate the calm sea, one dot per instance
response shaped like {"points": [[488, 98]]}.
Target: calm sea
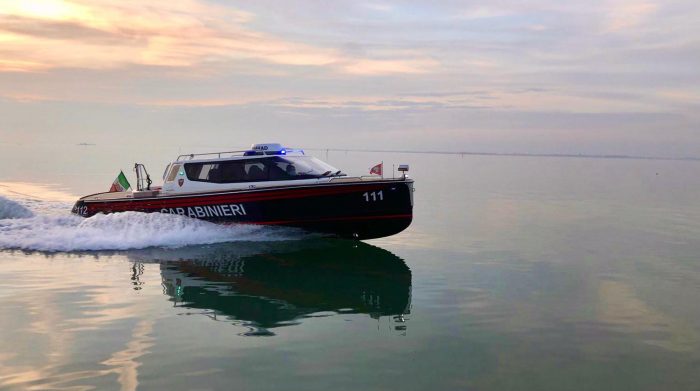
{"points": [[518, 273]]}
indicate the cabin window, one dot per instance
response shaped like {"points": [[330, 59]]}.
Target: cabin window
{"points": [[228, 172], [173, 172], [165, 172], [255, 170]]}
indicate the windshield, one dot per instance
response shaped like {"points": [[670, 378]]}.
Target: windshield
{"points": [[300, 167]]}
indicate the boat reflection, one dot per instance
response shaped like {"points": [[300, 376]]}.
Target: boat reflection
{"points": [[267, 285]]}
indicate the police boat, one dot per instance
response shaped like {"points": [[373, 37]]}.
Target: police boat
{"points": [[267, 185]]}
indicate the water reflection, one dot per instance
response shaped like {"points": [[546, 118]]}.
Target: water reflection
{"points": [[265, 286]]}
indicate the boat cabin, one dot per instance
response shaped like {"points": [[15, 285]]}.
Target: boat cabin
{"points": [[263, 165]]}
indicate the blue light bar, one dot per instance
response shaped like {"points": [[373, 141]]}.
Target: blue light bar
{"points": [[283, 151]]}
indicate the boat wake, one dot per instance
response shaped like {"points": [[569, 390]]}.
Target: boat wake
{"points": [[38, 225], [13, 210]]}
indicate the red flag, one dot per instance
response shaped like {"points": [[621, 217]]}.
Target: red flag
{"points": [[377, 170]]}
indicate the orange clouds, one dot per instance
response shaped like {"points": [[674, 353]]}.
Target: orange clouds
{"points": [[45, 34]]}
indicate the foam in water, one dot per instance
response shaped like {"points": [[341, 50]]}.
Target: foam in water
{"points": [[22, 229], [13, 210]]}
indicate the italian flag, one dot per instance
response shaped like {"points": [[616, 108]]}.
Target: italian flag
{"points": [[120, 184]]}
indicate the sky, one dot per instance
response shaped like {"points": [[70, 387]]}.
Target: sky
{"points": [[542, 76]]}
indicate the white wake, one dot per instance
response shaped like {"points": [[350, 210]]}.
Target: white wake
{"points": [[13, 210], [45, 226]]}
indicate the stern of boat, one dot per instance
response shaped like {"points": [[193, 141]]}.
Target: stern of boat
{"points": [[80, 208], [375, 210]]}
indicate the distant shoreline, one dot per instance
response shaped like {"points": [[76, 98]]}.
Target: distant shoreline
{"points": [[515, 154]]}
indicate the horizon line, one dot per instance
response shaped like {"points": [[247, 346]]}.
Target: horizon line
{"points": [[515, 154]]}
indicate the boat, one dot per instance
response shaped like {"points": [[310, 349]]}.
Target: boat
{"points": [[267, 184]]}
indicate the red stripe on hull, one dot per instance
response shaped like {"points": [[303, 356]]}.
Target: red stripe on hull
{"points": [[265, 195]]}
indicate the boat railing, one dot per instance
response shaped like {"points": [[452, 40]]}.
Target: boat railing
{"points": [[191, 156], [142, 177]]}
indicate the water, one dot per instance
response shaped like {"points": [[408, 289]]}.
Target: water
{"points": [[517, 274]]}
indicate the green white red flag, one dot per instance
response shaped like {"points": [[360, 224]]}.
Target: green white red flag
{"points": [[120, 184]]}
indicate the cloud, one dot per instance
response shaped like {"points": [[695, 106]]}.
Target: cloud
{"points": [[379, 67], [521, 99], [386, 65], [9, 65], [47, 34], [24, 98], [624, 14], [379, 7], [483, 12]]}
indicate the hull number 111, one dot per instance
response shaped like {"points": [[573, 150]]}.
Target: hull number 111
{"points": [[374, 196]]}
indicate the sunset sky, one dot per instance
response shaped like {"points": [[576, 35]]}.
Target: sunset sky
{"points": [[542, 76]]}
